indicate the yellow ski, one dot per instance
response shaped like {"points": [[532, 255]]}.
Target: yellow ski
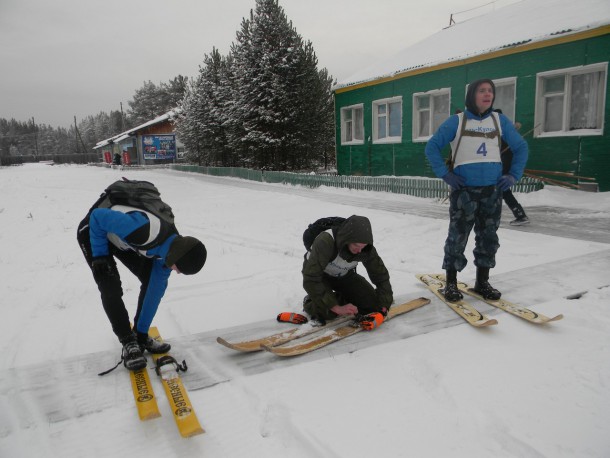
{"points": [[144, 396], [180, 404]]}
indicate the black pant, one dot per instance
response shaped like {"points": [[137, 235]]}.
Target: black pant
{"points": [[514, 206], [109, 285], [510, 200], [355, 289]]}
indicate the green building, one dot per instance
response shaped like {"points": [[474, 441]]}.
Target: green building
{"points": [[549, 61]]}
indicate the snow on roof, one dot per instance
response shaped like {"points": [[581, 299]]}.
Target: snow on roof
{"points": [[513, 25], [121, 138], [123, 135]]}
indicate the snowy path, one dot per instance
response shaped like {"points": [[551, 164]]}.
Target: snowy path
{"points": [[576, 223], [513, 390]]}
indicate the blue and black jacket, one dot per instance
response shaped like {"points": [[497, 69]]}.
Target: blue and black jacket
{"points": [[128, 228]]}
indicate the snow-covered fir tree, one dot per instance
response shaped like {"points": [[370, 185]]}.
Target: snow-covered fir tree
{"points": [[151, 100], [277, 92], [201, 123]]}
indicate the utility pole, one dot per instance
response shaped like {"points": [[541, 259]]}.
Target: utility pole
{"points": [[35, 136], [122, 119], [75, 135], [78, 137]]}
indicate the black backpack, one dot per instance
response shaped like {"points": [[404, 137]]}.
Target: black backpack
{"points": [[318, 226], [139, 194]]}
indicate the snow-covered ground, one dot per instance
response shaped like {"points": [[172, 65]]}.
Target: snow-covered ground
{"points": [[424, 385]]}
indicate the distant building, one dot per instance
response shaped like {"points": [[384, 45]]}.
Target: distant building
{"points": [[151, 143], [548, 59]]}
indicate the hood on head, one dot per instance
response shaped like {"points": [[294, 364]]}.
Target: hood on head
{"points": [[471, 104], [355, 229]]}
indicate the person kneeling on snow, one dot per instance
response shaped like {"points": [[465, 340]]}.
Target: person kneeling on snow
{"points": [[329, 274], [121, 232]]}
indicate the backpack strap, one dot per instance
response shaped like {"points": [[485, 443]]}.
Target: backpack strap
{"points": [[493, 117], [453, 155]]}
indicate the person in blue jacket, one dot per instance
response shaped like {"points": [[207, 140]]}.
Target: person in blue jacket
{"points": [[151, 249], [474, 173]]}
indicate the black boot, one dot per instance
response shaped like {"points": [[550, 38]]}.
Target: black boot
{"points": [[151, 345], [451, 292], [521, 218], [133, 359], [483, 287]]}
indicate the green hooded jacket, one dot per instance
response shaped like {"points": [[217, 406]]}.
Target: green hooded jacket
{"points": [[326, 248]]}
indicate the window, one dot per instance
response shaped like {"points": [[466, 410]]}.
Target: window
{"points": [[506, 96], [430, 110], [352, 125], [387, 120], [571, 101]]}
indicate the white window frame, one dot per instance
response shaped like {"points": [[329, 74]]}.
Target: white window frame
{"points": [[508, 111], [348, 127], [386, 103], [416, 112], [569, 73]]}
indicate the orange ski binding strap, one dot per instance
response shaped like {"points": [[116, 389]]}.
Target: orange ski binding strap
{"points": [[371, 321], [288, 317]]}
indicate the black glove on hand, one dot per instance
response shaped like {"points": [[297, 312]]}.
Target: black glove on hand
{"points": [[102, 266]]}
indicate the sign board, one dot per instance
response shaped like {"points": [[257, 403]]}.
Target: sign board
{"points": [[156, 147]]}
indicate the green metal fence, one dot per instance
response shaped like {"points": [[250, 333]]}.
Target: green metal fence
{"points": [[412, 186]]}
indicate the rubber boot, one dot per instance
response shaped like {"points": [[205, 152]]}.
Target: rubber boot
{"points": [[483, 287]]}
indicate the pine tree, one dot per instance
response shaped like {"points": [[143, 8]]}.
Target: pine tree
{"points": [[200, 123], [151, 100], [279, 96]]}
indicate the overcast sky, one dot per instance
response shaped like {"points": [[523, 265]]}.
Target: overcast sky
{"points": [[65, 58]]}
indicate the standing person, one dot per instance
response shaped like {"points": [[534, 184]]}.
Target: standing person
{"points": [[506, 154], [477, 183], [151, 249], [330, 279]]}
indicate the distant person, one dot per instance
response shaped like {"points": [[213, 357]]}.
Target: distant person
{"points": [[329, 275], [151, 249], [117, 159], [521, 218], [477, 183]]}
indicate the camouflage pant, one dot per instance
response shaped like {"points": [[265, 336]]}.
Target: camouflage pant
{"points": [[478, 207]]}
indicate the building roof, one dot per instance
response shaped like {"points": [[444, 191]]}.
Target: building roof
{"points": [[516, 26], [123, 135]]}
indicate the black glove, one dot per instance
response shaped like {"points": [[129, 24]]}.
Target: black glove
{"points": [[102, 266]]}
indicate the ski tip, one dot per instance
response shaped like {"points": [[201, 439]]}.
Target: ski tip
{"points": [[557, 318], [241, 346], [221, 341], [486, 322]]}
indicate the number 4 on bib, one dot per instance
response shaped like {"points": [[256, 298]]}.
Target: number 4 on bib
{"points": [[482, 149]]}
